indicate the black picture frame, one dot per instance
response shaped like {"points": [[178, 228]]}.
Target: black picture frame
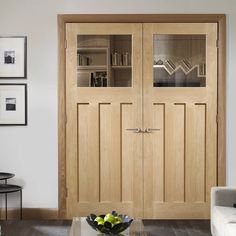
{"points": [[13, 57], [13, 104]]}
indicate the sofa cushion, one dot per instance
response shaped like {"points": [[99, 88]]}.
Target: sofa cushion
{"points": [[230, 229], [222, 216]]}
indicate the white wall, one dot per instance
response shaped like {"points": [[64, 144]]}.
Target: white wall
{"points": [[31, 152]]}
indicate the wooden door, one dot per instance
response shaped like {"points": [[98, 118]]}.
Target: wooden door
{"points": [[103, 156], [180, 109]]}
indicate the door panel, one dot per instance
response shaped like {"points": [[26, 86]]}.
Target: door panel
{"points": [[174, 155], [87, 153], [180, 99], [196, 153], [104, 158]]}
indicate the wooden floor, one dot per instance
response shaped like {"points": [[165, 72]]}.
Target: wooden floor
{"points": [[62, 227], [177, 227], [35, 228]]}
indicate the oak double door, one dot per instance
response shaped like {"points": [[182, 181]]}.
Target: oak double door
{"points": [[141, 104]]}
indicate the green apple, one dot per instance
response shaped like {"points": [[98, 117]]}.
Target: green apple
{"points": [[118, 220], [109, 218], [99, 220]]}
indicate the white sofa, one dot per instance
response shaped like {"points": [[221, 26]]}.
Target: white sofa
{"points": [[223, 214]]}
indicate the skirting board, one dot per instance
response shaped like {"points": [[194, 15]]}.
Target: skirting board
{"points": [[30, 213]]}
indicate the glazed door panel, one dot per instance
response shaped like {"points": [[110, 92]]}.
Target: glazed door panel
{"points": [[103, 102], [180, 105]]}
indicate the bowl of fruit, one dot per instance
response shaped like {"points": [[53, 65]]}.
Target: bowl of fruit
{"points": [[111, 223]]}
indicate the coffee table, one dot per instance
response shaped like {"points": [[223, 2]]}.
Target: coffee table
{"points": [[80, 227]]}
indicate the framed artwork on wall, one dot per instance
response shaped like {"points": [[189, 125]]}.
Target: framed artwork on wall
{"points": [[13, 104], [13, 57]]}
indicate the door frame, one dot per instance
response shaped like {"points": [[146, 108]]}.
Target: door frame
{"points": [[63, 19]]}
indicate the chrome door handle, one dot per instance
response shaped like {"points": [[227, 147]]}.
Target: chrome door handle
{"points": [[148, 130], [137, 130]]}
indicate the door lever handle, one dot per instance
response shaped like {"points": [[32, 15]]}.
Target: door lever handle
{"points": [[137, 130], [148, 130]]}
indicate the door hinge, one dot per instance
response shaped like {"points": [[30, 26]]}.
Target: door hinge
{"points": [[217, 43], [217, 118], [66, 192], [65, 44]]}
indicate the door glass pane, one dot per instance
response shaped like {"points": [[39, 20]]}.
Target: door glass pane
{"points": [[179, 60], [104, 61]]}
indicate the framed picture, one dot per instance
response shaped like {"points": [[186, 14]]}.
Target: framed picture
{"points": [[13, 57], [13, 104]]}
